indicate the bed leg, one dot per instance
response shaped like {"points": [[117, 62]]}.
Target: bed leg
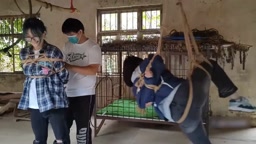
{"points": [[97, 128]]}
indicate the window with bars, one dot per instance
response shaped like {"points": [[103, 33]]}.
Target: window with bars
{"points": [[133, 23], [11, 35]]}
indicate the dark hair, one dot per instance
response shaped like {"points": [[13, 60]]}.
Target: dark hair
{"points": [[36, 26], [130, 64], [72, 25]]}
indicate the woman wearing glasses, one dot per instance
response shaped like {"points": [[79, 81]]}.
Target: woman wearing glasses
{"points": [[44, 93]]}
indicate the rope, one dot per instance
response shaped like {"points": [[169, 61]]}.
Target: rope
{"points": [[141, 81], [42, 58], [194, 60]]}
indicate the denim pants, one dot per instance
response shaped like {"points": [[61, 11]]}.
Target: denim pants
{"points": [[192, 126], [40, 121]]}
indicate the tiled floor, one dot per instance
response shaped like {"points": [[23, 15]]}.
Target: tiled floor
{"points": [[113, 132]]}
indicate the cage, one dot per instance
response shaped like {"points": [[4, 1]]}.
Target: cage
{"points": [[114, 100]]}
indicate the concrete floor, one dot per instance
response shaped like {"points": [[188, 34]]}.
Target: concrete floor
{"points": [[114, 132]]}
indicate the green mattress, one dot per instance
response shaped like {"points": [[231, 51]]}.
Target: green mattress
{"points": [[126, 108]]}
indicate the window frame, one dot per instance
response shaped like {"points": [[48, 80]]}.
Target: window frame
{"points": [[139, 31], [14, 35]]}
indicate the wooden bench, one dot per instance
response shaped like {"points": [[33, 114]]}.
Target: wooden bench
{"points": [[13, 101]]}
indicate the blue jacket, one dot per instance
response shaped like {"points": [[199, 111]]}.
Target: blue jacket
{"points": [[160, 75]]}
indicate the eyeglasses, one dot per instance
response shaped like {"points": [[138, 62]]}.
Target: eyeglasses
{"points": [[29, 39]]}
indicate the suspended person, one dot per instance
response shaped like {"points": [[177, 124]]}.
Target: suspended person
{"points": [[171, 96], [83, 59], [44, 94]]}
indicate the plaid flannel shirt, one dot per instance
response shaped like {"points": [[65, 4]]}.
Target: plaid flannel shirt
{"points": [[50, 89]]}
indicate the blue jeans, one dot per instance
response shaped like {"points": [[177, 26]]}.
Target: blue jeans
{"points": [[192, 126], [40, 121]]}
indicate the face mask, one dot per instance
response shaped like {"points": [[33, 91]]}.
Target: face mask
{"points": [[73, 39]]}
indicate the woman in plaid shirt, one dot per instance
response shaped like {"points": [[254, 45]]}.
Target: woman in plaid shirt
{"points": [[44, 93]]}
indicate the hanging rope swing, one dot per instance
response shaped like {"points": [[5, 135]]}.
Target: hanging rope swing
{"points": [[194, 61]]}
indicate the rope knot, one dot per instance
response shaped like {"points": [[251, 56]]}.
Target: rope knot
{"points": [[43, 58]]}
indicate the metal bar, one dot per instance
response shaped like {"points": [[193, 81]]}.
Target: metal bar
{"points": [[148, 7], [136, 120], [126, 32], [11, 35], [120, 74], [16, 16]]}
